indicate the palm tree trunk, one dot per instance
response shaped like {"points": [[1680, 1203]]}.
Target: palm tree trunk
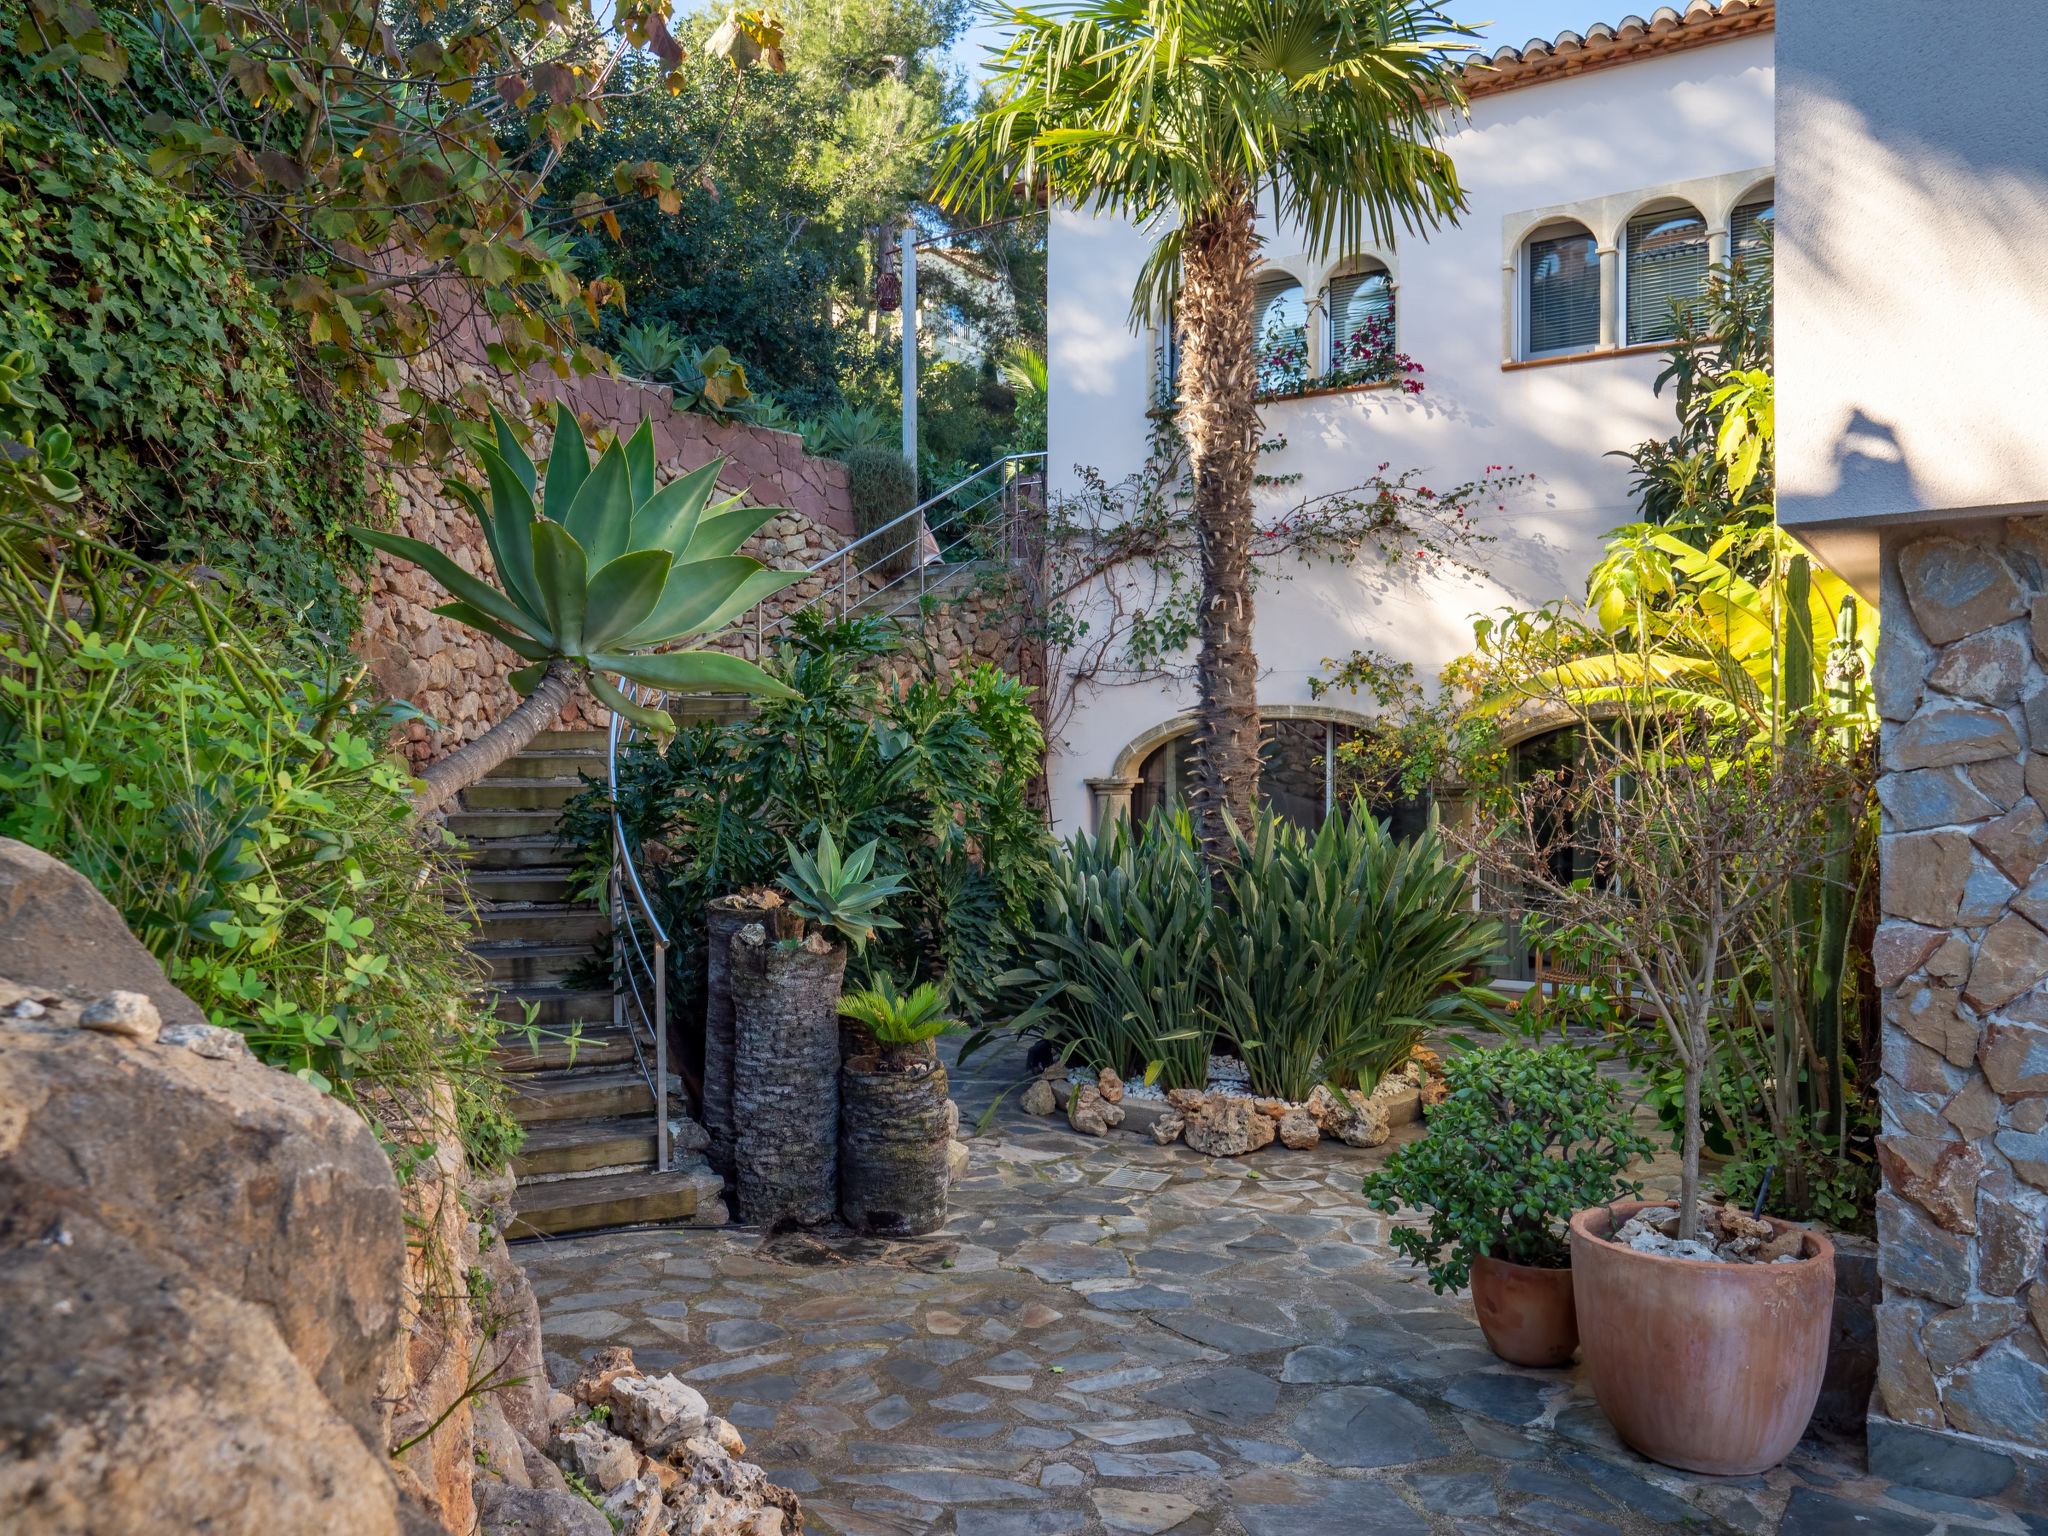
{"points": [[1218, 377], [508, 738]]}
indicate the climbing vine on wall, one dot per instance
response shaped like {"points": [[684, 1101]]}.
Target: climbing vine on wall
{"points": [[200, 436]]}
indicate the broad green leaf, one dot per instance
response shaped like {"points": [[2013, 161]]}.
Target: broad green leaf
{"points": [[607, 694], [510, 451], [696, 672], [563, 575], [478, 594], [640, 466], [601, 517], [508, 528], [725, 527], [668, 519], [519, 644], [707, 593], [568, 465], [623, 594]]}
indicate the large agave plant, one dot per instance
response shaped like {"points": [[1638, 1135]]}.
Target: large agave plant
{"points": [[598, 565]]}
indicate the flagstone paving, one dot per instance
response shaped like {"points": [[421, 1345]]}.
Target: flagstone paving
{"points": [[1114, 1337]]}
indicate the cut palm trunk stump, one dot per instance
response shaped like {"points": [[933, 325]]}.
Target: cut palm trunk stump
{"points": [[892, 1140], [785, 1086], [723, 917]]}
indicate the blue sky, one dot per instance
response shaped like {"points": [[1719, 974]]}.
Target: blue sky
{"points": [[1509, 22]]}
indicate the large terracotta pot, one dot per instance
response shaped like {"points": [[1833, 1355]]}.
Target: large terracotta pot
{"points": [[1526, 1313], [1708, 1367]]}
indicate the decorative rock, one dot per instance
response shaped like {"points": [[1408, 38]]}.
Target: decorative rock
{"points": [[1110, 1086], [1272, 1109], [1974, 1111], [1900, 949], [1950, 962], [1988, 666], [1986, 894], [595, 1454], [1945, 731], [2028, 1154], [1298, 1131], [1957, 589], [2009, 1245], [1897, 680], [2001, 1394], [1227, 1127], [1938, 1176], [952, 1120], [635, 1506], [2011, 958], [507, 1510], [213, 1041], [1166, 1130], [958, 1159], [1931, 1015], [1915, 1255], [657, 1411], [128, 1014], [2017, 842], [2030, 1115], [1924, 875], [1903, 1375], [594, 1385], [1039, 1098], [1354, 1119], [2015, 1058], [2001, 779], [1184, 1100], [1962, 1332], [1931, 797], [1090, 1114]]}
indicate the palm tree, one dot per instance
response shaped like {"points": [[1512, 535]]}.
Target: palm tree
{"points": [[1187, 117]]}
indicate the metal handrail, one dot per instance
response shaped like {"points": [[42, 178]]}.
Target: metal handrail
{"points": [[622, 923]]}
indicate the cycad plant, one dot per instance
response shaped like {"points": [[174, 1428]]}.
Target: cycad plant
{"points": [[597, 566], [1188, 117]]}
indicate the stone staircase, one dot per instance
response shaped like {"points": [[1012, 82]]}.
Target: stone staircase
{"points": [[589, 1156]]}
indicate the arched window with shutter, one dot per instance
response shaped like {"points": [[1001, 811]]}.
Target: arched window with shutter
{"points": [[1749, 230], [1665, 265], [1563, 276], [1361, 326], [1280, 335]]}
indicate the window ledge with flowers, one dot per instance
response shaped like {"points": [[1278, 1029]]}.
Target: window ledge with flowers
{"points": [[1366, 359]]}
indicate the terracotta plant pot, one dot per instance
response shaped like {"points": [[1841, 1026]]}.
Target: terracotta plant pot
{"points": [[1707, 1367], [1526, 1313]]}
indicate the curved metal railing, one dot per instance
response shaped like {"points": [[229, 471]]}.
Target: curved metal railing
{"points": [[640, 941]]}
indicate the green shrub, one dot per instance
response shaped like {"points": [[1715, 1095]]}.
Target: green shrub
{"points": [[899, 1018], [1120, 966], [1525, 1139], [239, 812], [883, 486], [1335, 954]]}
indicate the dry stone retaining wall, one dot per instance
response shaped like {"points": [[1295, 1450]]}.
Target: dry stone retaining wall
{"points": [[1962, 958], [460, 678]]}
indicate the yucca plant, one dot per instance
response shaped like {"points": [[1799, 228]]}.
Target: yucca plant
{"points": [[597, 566], [836, 893]]}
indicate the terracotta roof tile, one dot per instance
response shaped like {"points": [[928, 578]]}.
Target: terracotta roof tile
{"points": [[1669, 29]]}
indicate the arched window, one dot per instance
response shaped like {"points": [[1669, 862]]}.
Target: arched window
{"points": [[1303, 771], [1361, 325], [1749, 229], [1666, 265], [1563, 293], [1280, 334]]}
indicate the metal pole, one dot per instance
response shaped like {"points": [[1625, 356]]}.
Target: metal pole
{"points": [[907, 244], [661, 1148], [617, 894]]}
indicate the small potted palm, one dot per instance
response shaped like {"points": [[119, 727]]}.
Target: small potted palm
{"points": [[1523, 1139], [892, 1110]]}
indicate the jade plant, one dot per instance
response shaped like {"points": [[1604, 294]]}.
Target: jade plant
{"points": [[597, 567], [1525, 1139]]}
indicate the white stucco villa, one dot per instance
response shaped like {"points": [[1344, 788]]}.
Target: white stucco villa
{"points": [[1604, 172]]}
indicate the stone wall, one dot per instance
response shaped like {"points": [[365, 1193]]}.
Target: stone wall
{"points": [[1962, 958], [459, 678]]}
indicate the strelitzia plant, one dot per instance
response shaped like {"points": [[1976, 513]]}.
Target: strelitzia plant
{"points": [[597, 566]]}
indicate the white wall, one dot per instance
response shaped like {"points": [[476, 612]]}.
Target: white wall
{"points": [[1704, 113], [1913, 357]]}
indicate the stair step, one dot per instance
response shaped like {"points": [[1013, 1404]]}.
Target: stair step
{"points": [[573, 1146], [534, 794], [553, 1007], [611, 1200], [545, 884], [564, 923], [469, 825], [555, 1050], [585, 1094], [537, 850], [549, 765], [570, 741], [530, 965]]}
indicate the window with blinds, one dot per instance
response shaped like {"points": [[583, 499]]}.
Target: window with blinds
{"points": [[1564, 295], [1749, 231], [1361, 321], [1280, 335], [1166, 369], [1666, 264]]}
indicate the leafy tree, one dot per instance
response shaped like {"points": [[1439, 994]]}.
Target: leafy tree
{"points": [[1191, 114]]}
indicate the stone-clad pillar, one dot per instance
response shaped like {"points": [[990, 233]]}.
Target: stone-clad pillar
{"points": [[1961, 957]]}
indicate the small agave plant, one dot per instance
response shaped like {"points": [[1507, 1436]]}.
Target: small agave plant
{"points": [[597, 566]]}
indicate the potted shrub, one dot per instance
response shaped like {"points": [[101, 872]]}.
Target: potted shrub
{"points": [[785, 979], [1524, 1139], [892, 1110], [1672, 842]]}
